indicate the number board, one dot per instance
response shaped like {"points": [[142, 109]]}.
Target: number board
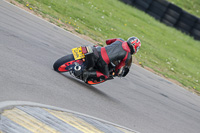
{"points": [[77, 53]]}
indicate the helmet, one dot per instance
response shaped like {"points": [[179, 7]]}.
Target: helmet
{"points": [[134, 43]]}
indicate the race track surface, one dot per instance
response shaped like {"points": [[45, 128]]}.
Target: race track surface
{"points": [[141, 101]]}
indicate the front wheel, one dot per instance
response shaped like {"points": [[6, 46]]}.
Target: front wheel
{"points": [[65, 63]]}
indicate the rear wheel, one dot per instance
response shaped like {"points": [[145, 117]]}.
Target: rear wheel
{"points": [[62, 64]]}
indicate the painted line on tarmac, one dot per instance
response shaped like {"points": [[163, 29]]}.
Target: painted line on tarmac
{"points": [[27, 121], [20, 116], [74, 121]]}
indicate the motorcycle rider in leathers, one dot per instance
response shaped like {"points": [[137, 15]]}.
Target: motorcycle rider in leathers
{"points": [[117, 50]]}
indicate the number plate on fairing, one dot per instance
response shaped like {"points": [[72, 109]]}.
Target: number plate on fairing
{"points": [[77, 53]]}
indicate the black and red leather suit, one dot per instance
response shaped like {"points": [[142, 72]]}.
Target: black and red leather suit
{"points": [[116, 50]]}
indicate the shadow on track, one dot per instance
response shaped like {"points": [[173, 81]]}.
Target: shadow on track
{"points": [[92, 88]]}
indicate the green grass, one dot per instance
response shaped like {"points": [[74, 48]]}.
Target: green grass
{"points": [[191, 6], [164, 49]]}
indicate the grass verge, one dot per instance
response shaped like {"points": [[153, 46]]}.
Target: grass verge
{"points": [[164, 49]]}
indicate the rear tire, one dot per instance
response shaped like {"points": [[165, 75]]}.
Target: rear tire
{"points": [[62, 61]]}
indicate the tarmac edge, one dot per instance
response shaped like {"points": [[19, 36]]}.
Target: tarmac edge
{"points": [[6, 105]]}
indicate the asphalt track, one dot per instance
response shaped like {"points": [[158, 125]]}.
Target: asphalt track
{"points": [[141, 101]]}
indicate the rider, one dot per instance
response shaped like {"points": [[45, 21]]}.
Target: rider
{"points": [[116, 50]]}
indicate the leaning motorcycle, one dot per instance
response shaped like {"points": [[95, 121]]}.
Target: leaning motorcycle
{"points": [[82, 59]]}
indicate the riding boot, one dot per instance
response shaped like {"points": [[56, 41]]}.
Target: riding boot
{"points": [[89, 74]]}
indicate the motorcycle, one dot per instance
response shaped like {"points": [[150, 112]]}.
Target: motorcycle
{"points": [[82, 59]]}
